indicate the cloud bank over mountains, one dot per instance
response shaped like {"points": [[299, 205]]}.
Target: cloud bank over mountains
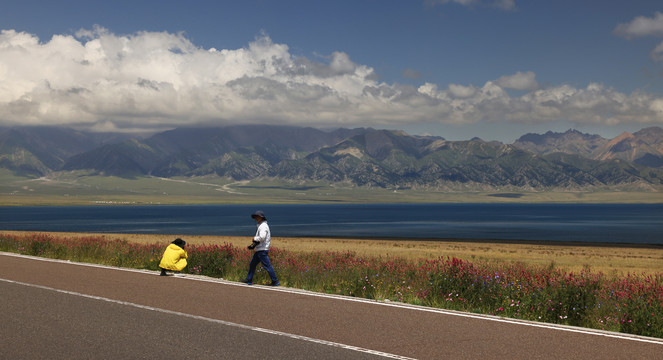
{"points": [[150, 81]]}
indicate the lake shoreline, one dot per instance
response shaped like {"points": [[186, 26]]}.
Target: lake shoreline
{"points": [[595, 225]]}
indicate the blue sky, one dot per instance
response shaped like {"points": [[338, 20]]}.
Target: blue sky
{"points": [[495, 69]]}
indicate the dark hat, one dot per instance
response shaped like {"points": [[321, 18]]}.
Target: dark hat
{"points": [[179, 242], [259, 213]]}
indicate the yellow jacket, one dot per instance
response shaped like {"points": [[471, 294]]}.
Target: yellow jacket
{"points": [[174, 258]]}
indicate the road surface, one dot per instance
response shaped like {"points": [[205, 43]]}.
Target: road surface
{"points": [[63, 310]]}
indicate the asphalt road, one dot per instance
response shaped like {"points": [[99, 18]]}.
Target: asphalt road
{"points": [[62, 310]]}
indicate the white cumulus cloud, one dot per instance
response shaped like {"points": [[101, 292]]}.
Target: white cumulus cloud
{"points": [[641, 26], [644, 26], [157, 80], [519, 81]]}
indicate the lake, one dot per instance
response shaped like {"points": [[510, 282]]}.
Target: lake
{"points": [[606, 223]]}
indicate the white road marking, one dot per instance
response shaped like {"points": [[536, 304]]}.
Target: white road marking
{"points": [[557, 327]]}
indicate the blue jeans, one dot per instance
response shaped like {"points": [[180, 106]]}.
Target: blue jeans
{"points": [[261, 256]]}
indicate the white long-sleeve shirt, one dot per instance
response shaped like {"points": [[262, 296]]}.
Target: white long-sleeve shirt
{"points": [[263, 236]]}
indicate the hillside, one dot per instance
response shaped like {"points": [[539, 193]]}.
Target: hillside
{"points": [[644, 147], [362, 157], [35, 151]]}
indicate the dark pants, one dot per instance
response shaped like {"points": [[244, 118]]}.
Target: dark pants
{"points": [[261, 257]]}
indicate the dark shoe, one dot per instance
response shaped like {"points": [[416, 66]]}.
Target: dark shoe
{"points": [[163, 273], [275, 283], [247, 281]]}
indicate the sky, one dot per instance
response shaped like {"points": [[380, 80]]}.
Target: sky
{"points": [[493, 69]]}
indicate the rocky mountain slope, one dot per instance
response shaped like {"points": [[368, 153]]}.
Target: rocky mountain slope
{"points": [[364, 157], [644, 147]]}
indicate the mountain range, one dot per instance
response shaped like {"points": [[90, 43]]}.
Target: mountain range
{"points": [[361, 156]]}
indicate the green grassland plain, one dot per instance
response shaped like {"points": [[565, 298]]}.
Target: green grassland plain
{"points": [[82, 188]]}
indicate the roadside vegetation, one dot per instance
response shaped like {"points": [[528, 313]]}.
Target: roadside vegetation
{"points": [[629, 303]]}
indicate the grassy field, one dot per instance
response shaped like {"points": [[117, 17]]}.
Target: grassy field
{"points": [[81, 188], [608, 259]]}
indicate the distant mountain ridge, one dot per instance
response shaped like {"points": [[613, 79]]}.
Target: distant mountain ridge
{"points": [[35, 151], [644, 147], [362, 156], [235, 151]]}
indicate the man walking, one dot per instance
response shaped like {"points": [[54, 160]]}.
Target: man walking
{"points": [[261, 244]]}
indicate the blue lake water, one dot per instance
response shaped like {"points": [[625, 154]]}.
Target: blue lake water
{"points": [[606, 223]]}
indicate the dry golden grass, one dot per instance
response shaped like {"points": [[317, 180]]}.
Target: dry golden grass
{"points": [[609, 259]]}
